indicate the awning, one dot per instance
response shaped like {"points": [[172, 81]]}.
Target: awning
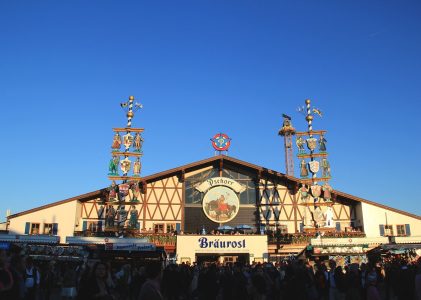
{"points": [[95, 240], [41, 239]]}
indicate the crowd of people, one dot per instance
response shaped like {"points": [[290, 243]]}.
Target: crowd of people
{"points": [[23, 278]]}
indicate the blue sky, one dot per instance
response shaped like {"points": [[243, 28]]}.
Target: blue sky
{"points": [[203, 67]]}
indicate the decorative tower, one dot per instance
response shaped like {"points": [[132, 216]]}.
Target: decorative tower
{"points": [[126, 152], [316, 198], [287, 131]]}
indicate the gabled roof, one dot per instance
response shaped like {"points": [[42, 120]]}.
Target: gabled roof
{"points": [[217, 161]]}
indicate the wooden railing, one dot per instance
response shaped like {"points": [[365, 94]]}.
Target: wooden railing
{"points": [[305, 238]]}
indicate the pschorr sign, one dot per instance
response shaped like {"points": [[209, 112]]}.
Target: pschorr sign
{"points": [[130, 247], [206, 243]]}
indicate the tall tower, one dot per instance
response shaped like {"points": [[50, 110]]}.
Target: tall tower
{"points": [[287, 131]]}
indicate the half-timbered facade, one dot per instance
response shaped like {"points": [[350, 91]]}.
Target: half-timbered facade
{"points": [[170, 202]]}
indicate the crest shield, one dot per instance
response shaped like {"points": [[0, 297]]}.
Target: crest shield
{"points": [[311, 143], [127, 140], [123, 191], [125, 165], [314, 166], [316, 190]]}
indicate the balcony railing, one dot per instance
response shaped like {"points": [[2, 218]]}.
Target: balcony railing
{"points": [[159, 239], [305, 238]]}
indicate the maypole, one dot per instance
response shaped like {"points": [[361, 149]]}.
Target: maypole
{"points": [[128, 191], [316, 199]]}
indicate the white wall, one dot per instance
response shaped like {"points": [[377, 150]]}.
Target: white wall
{"points": [[373, 216], [63, 214]]}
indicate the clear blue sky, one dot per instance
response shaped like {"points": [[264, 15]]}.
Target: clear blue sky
{"points": [[199, 68]]}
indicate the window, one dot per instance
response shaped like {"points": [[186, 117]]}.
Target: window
{"points": [[48, 228], [388, 230], [170, 228], [400, 230], [158, 228], [35, 228]]}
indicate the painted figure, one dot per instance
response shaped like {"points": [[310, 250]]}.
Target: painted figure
{"points": [[300, 144], [113, 166], [112, 195], [136, 167], [325, 168], [327, 192], [109, 218], [303, 169], [329, 217], [304, 192], [138, 141], [101, 212], [122, 216], [322, 144], [133, 217], [116, 142], [135, 190]]}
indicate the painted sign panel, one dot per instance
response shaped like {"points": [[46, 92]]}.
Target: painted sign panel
{"points": [[221, 204]]}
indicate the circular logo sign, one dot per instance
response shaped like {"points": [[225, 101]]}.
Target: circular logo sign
{"points": [[221, 204], [221, 142]]}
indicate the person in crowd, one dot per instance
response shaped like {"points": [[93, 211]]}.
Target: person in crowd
{"points": [[372, 290], [32, 279], [6, 277], [69, 283], [97, 286], [151, 289], [417, 282]]}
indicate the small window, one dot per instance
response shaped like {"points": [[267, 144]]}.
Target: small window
{"points": [[170, 228], [400, 230], [388, 230], [35, 228], [48, 228], [158, 228]]}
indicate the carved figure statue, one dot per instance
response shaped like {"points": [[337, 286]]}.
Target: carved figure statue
{"points": [[329, 217], [112, 195], [109, 218], [327, 192], [300, 144], [121, 216], [137, 167], [325, 168], [303, 169], [138, 141], [133, 217], [304, 192], [322, 143], [135, 191], [101, 212], [113, 166], [116, 142]]}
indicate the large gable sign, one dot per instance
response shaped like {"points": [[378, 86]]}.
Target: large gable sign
{"points": [[220, 202]]}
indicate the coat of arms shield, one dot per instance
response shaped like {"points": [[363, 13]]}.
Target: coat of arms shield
{"points": [[316, 190], [314, 166], [125, 165], [311, 143], [127, 140]]}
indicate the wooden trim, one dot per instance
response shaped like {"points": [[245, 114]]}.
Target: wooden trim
{"points": [[84, 197], [128, 129], [134, 154]]}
